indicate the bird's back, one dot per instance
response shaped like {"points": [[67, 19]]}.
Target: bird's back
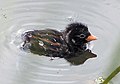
{"points": [[46, 42]]}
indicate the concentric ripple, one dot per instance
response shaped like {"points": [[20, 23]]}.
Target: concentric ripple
{"points": [[18, 16]]}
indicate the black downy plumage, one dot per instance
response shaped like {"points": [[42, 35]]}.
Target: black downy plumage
{"points": [[69, 43]]}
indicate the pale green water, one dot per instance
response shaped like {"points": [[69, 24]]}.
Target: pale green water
{"points": [[17, 16]]}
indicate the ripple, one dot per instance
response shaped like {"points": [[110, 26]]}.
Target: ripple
{"points": [[23, 15], [57, 82]]}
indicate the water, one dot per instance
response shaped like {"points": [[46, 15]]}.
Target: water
{"points": [[17, 16]]}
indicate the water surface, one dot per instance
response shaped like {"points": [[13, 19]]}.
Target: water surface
{"points": [[17, 16]]}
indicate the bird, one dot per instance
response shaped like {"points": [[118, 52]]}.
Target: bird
{"points": [[53, 43]]}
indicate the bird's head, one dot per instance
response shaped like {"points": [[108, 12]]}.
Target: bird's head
{"points": [[77, 35]]}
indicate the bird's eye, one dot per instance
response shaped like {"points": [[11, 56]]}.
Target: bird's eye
{"points": [[81, 36]]}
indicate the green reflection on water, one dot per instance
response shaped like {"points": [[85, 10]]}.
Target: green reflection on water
{"points": [[114, 66], [113, 74]]}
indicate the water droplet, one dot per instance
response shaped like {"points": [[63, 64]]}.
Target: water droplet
{"points": [[70, 18], [55, 40], [41, 43], [30, 35], [100, 80], [4, 15], [46, 34]]}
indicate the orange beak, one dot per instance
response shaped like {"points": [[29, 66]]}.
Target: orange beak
{"points": [[91, 38]]}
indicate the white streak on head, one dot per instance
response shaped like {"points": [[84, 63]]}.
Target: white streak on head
{"points": [[67, 36], [73, 40]]}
